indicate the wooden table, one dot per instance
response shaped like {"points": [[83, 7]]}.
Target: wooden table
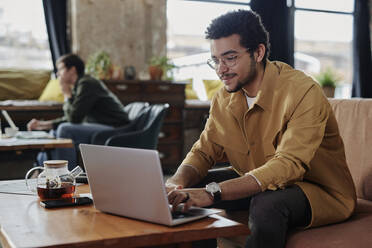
{"points": [[17, 156], [34, 144], [24, 223], [23, 111]]}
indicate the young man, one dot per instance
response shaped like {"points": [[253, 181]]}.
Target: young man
{"points": [[277, 130], [89, 107]]}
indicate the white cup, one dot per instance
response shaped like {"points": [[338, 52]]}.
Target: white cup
{"points": [[11, 132]]}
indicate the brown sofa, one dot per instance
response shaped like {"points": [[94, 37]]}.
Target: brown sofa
{"points": [[354, 118], [18, 84]]}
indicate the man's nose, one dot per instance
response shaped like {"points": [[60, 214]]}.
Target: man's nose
{"points": [[221, 68]]}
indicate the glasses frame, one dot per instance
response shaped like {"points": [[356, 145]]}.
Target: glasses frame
{"points": [[212, 64]]}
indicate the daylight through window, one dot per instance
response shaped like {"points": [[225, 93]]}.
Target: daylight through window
{"points": [[23, 36], [323, 39]]}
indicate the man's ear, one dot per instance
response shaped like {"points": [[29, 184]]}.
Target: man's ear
{"points": [[260, 52]]}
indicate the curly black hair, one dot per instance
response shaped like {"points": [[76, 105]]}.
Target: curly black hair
{"points": [[72, 60], [246, 23]]}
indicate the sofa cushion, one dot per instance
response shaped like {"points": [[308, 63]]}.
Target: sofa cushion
{"points": [[52, 92], [211, 87], [190, 93], [354, 117], [355, 232], [22, 84]]}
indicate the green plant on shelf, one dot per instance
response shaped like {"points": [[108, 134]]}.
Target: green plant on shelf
{"points": [[328, 78], [99, 65], [165, 64]]}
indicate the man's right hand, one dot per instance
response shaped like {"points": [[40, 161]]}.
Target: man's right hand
{"points": [[185, 176], [32, 125], [169, 186], [35, 124]]}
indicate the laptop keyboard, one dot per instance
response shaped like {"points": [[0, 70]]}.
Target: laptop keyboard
{"points": [[180, 215]]}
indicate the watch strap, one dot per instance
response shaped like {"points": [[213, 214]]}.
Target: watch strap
{"points": [[214, 190], [217, 196]]}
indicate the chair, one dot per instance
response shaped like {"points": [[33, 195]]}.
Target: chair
{"points": [[133, 109], [142, 132]]}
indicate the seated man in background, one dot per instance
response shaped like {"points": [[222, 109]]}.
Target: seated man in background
{"points": [[277, 130], [89, 107]]}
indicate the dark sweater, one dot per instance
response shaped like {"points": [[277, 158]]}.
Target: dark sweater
{"points": [[92, 102]]}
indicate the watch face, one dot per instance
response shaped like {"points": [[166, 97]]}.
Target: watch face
{"points": [[212, 187]]}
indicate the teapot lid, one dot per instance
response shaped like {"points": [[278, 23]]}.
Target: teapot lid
{"points": [[55, 163]]}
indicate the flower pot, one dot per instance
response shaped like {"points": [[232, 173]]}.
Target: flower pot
{"points": [[155, 72], [329, 91]]}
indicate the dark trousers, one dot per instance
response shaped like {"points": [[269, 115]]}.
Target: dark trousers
{"points": [[271, 213]]}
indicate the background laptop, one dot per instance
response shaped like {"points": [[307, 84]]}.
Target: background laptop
{"points": [[24, 134], [129, 182]]}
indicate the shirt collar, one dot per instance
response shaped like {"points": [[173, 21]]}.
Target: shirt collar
{"points": [[268, 86], [265, 94]]}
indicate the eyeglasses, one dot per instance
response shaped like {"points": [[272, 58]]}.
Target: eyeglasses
{"points": [[229, 61]]}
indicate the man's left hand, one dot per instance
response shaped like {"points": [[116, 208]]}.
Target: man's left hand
{"points": [[190, 197], [66, 89]]}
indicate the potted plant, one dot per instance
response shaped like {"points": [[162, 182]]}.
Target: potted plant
{"points": [[99, 65], [161, 68], [328, 80]]}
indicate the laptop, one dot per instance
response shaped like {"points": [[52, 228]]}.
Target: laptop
{"points": [[129, 182], [25, 134]]}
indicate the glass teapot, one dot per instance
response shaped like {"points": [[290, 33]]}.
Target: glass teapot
{"points": [[56, 181]]}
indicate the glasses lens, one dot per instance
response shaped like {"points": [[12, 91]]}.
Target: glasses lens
{"points": [[230, 61]]}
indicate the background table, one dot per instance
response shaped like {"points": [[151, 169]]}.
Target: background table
{"points": [[17, 156], [22, 112], [12, 144]]}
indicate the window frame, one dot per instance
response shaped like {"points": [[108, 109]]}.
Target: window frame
{"points": [[292, 12]]}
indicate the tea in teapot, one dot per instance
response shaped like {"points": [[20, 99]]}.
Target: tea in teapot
{"points": [[56, 181]]}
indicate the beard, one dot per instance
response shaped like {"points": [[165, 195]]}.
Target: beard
{"points": [[249, 79]]}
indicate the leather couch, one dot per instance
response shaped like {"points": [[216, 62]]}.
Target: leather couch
{"points": [[354, 118]]}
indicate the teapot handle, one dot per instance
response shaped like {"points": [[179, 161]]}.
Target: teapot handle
{"points": [[76, 171], [27, 175]]}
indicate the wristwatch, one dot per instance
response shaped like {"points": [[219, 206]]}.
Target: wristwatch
{"points": [[214, 189]]}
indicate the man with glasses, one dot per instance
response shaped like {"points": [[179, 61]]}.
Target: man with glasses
{"points": [[276, 129]]}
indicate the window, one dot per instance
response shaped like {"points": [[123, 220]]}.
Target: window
{"points": [[187, 22], [323, 39], [23, 36]]}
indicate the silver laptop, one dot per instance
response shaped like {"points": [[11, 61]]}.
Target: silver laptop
{"points": [[129, 182], [25, 134]]}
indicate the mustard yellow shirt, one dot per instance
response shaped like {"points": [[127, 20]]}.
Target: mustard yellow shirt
{"points": [[289, 136]]}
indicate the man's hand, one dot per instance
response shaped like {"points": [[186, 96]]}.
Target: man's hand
{"points": [[32, 125], [185, 176], [35, 124], [169, 186], [190, 197], [66, 88]]}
